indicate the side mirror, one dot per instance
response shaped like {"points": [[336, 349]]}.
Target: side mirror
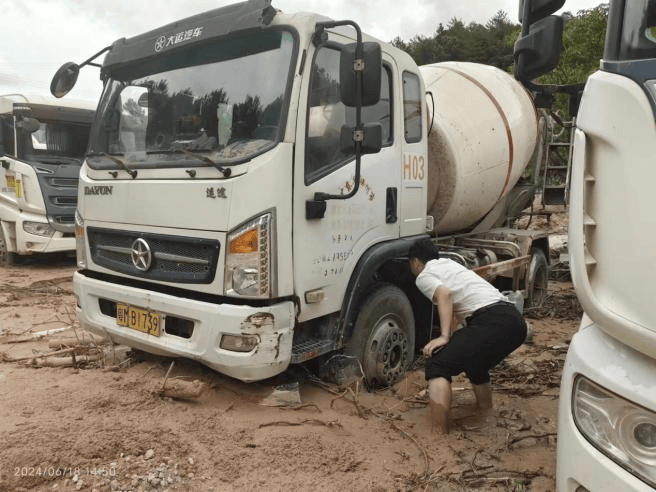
{"points": [[538, 52], [537, 9], [64, 79], [372, 138], [30, 125], [371, 74]]}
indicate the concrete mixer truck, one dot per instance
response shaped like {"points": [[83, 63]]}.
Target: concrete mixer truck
{"points": [[254, 180]]}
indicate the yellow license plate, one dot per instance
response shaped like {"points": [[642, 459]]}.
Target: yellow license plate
{"points": [[11, 181], [138, 319]]}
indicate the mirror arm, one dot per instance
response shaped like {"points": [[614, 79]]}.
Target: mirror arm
{"points": [[358, 134], [90, 60]]}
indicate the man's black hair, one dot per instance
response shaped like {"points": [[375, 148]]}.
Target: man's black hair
{"points": [[424, 250]]}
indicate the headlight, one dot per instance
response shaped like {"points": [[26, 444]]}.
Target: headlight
{"points": [[38, 228], [623, 431], [239, 343], [80, 250], [249, 268]]}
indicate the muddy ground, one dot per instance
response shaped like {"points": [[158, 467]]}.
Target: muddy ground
{"points": [[104, 423]]}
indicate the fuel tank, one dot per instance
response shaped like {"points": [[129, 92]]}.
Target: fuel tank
{"points": [[483, 131]]}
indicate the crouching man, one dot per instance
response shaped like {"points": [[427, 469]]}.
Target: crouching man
{"points": [[492, 329]]}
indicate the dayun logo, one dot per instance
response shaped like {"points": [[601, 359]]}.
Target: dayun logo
{"points": [[160, 43], [98, 190]]}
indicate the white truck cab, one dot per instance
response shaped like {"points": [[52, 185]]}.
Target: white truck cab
{"points": [[42, 145]]}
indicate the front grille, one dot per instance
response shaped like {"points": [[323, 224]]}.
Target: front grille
{"points": [[64, 219], [64, 200], [59, 182], [173, 258]]}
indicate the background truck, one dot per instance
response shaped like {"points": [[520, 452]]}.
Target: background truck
{"points": [[607, 414], [254, 181], [42, 145]]}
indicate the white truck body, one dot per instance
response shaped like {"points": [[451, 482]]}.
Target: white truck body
{"points": [[236, 269], [611, 240], [38, 177], [607, 413]]}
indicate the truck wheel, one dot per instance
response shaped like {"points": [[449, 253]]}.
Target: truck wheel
{"points": [[537, 279], [7, 258], [383, 336]]}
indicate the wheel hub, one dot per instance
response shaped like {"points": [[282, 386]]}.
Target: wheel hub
{"points": [[387, 356]]}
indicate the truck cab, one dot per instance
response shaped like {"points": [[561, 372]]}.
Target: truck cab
{"points": [[198, 233], [42, 146]]}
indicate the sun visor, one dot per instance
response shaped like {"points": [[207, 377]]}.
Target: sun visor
{"points": [[196, 29]]}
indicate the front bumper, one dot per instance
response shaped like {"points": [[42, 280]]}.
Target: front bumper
{"points": [[210, 322], [620, 369], [27, 244]]}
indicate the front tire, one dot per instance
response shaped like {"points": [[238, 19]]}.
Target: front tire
{"points": [[7, 258], [383, 337], [537, 279]]}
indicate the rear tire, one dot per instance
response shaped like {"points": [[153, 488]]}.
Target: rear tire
{"points": [[7, 258], [384, 335], [537, 279]]}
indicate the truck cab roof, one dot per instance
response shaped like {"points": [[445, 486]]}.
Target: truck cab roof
{"points": [[48, 107]]}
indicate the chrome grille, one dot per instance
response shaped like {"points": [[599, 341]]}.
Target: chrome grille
{"points": [[174, 258], [59, 182]]}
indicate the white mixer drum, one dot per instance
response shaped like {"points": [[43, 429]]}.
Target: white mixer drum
{"points": [[484, 133]]}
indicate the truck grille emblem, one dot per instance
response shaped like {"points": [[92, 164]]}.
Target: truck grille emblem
{"points": [[141, 255]]}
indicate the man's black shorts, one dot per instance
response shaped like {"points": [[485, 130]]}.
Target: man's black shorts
{"points": [[481, 344]]}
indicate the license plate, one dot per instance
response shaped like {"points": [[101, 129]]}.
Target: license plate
{"points": [[138, 319]]}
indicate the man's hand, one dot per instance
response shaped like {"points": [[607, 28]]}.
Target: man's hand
{"points": [[435, 344]]}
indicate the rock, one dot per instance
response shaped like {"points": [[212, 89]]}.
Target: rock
{"points": [[190, 460], [529, 442], [287, 395], [182, 390], [149, 454]]}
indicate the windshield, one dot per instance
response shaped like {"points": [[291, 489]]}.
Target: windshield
{"points": [[52, 142], [223, 101], [639, 30]]}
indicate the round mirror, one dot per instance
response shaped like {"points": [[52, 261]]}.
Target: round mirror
{"points": [[64, 79]]}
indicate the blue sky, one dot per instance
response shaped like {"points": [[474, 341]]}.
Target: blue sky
{"points": [[38, 36]]}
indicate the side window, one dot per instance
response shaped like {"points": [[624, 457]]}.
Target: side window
{"points": [[7, 136], [327, 115], [411, 107]]}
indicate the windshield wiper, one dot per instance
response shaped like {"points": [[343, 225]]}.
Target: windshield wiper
{"points": [[226, 171], [118, 161], [57, 159]]}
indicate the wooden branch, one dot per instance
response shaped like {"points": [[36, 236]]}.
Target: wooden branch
{"points": [[332, 423], [421, 448]]}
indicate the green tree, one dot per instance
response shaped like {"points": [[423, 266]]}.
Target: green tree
{"points": [[583, 47], [473, 42]]}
